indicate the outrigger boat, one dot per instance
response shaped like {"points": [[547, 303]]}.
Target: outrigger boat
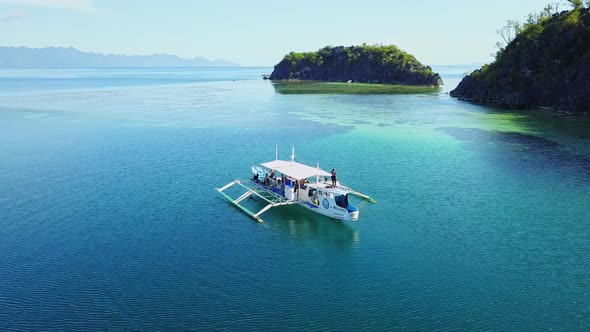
{"points": [[286, 182]]}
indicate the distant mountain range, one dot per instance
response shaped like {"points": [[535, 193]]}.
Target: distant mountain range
{"points": [[19, 57]]}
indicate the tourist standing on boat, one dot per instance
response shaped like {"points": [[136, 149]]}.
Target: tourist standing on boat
{"points": [[334, 177]]}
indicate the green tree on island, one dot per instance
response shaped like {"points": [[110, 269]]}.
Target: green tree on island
{"points": [[366, 63], [543, 62]]}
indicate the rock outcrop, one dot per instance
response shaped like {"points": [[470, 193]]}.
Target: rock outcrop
{"points": [[365, 64], [547, 66]]}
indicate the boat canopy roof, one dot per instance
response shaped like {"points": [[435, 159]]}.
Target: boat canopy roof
{"points": [[294, 169]]}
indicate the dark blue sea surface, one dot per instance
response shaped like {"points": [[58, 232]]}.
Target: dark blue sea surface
{"points": [[109, 219]]}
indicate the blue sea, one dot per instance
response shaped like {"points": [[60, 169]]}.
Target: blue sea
{"points": [[109, 219]]}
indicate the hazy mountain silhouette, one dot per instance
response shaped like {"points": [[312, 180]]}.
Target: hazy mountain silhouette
{"points": [[71, 57]]}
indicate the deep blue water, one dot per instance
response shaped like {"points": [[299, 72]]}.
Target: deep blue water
{"points": [[109, 219]]}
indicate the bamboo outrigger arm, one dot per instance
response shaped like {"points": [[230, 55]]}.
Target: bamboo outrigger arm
{"points": [[361, 195], [272, 199], [358, 194]]}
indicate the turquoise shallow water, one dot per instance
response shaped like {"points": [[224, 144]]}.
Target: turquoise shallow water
{"points": [[109, 220]]}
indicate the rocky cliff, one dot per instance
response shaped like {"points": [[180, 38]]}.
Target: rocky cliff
{"points": [[547, 65], [366, 64]]}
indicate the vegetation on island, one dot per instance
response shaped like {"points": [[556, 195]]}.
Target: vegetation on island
{"points": [[542, 62], [356, 64]]}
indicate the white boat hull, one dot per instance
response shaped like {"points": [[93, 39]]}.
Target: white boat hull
{"points": [[330, 209]]}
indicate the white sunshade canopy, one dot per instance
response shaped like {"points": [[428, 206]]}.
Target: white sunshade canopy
{"points": [[295, 169]]}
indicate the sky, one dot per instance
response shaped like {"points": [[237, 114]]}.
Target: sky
{"points": [[259, 33]]}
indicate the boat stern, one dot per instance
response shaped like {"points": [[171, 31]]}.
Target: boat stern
{"points": [[353, 212]]}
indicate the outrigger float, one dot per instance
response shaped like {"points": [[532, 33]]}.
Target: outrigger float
{"points": [[287, 182]]}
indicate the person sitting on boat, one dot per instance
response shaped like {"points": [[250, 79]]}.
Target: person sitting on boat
{"points": [[334, 179], [266, 179], [302, 183], [272, 174], [255, 178]]}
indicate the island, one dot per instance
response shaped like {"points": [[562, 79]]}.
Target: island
{"points": [[354, 69], [546, 65]]}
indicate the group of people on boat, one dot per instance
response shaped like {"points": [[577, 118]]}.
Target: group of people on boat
{"points": [[268, 178], [275, 184], [270, 181]]}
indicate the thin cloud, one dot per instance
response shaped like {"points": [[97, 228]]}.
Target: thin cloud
{"points": [[12, 16], [70, 4]]}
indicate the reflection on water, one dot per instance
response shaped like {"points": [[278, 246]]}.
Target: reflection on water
{"points": [[534, 149], [298, 222], [301, 224], [494, 136], [307, 226]]}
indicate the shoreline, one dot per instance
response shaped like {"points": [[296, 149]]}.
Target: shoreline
{"points": [[332, 87], [556, 113]]}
